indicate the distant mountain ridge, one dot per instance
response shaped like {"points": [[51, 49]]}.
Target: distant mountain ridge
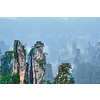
{"points": [[56, 33]]}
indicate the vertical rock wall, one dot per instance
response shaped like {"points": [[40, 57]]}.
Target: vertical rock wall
{"points": [[74, 47], [77, 59], [19, 60], [96, 60], [62, 75], [49, 74], [89, 53], [0, 53], [37, 63]]}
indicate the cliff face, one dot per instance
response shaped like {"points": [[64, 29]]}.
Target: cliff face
{"points": [[89, 53], [19, 60], [37, 63], [27, 78], [62, 75], [0, 53], [87, 71], [49, 74], [5, 63], [96, 60]]}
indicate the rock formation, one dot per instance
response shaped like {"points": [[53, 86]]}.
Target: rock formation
{"points": [[89, 53], [49, 74], [0, 53], [62, 75], [19, 60], [77, 59], [96, 59], [74, 47], [37, 63], [86, 71]]}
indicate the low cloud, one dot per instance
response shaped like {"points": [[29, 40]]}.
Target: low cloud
{"points": [[30, 35], [59, 35], [46, 48], [64, 18], [61, 51], [28, 49], [64, 58], [55, 67], [79, 46], [82, 37]]}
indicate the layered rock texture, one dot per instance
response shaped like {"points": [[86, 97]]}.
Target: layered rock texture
{"points": [[31, 72], [62, 75], [36, 64], [19, 60]]}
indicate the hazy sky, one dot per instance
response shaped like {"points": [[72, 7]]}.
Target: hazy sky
{"points": [[57, 34]]}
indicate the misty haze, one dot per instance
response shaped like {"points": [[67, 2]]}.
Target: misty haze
{"points": [[73, 40]]}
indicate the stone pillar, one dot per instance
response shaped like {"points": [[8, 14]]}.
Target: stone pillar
{"points": [[96, 61], [38, 63], [49, 74], [19, 60], [0, 53], [77, 59], [62, 75]]}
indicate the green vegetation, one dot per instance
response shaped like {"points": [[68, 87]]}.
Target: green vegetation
{"points": [[40, 61], [55, 80], [10, 79], [66, 67], [45, 53], [6, 59], [38, 47], [30, 53], [43, 68], [64, 79], [5, 69], [48, 82]]}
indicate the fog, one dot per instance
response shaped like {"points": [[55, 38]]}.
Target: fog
{"points": [[57, 34]]}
